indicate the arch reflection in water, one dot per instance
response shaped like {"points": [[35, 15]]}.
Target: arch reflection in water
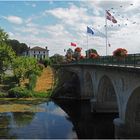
{"points": [[87, 124]]}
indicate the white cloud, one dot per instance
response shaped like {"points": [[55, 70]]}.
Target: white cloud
{"points": [[11, 34], [33, 5], [14, 19], [70, 15]]}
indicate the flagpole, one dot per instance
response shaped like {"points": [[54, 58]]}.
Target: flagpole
{"points": [[106, 31], [87, 40]]}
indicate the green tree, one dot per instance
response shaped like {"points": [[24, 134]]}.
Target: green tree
{"points": [[56, 59], [23, 48], [18, 47], [23, 67], [45, 62], [7, 55], [3, 36]]}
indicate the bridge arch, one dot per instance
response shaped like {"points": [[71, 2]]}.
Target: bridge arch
{"points": [[69, 85], [106, 94], [88, 85], [132, 113]]}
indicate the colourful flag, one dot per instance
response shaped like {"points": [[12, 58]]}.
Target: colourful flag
{"points": [[89, 30], [110, 17], [73, 44]]}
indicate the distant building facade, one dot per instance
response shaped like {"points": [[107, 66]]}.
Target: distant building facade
{"points": [[38, 52]]}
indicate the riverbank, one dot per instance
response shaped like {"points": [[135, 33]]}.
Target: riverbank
{"points": [[43, 88], [21, 104]]}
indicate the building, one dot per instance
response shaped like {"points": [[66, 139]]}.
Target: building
{"points": [[38, 52]]}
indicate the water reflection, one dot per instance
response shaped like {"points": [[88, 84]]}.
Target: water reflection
{"points": [[87, 124], [23, 119], [51, 123], [59, 119]]}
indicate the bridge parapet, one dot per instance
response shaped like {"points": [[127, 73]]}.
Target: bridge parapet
{"points": [[131, 60]]}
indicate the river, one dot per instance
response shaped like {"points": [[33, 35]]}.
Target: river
{"points": [[55, 119]]}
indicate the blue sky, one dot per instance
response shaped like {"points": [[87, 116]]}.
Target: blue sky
{"points": [[57, 23]]}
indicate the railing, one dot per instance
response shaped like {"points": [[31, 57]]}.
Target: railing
{"points": [[131, 60]]}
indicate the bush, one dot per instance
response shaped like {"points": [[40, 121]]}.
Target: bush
{"points": [[120, 52], [2, 95], [19, 92], [41, 66], [32, 81], [46, 62]]}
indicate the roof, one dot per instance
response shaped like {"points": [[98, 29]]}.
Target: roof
{"points": [[38, 49]]}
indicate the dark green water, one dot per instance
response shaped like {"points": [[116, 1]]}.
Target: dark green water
{"points": [[69, 119]]}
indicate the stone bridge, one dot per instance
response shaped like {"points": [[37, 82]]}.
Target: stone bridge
{"points": [[110, 89]]}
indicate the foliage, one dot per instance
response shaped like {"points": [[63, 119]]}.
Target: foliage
{"points": [[69, 55], [42, 94], [6, 57], [6, 54], [120, 52], [78, 49], [92, 53], [77, 53], [56, 59], [41, 66], [25, 66], [82, 57], [18, 47], [2, 94], [32, 81], [3, 36], [19, 92], [45, 62]]}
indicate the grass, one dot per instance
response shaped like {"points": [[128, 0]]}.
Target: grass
{"points": [[45, 81]]}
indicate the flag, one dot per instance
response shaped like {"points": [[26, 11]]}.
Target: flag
{"points": [[89, 30], [110, 17], [73, 44]]}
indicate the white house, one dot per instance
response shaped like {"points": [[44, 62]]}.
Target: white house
{"points": [[38, 52]]}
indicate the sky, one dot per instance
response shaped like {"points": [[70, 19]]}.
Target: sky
{"points": [[58, 23]]}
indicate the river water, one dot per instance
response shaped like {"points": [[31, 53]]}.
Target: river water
{"points": [[57, 119]]}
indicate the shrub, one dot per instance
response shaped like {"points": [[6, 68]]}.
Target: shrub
{"points": [[78, 49], [42, 94], [92, 53], [32, 81], [120, 52], [2, 95], [46, 62], [19, 92], [41, 66]]}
